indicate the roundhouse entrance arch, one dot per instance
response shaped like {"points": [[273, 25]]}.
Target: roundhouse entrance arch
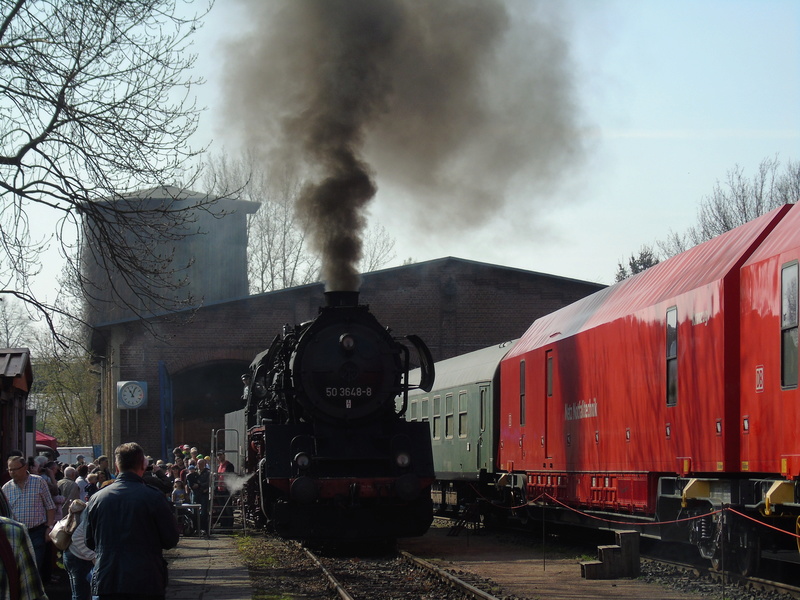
{"points": [[201, 395]]}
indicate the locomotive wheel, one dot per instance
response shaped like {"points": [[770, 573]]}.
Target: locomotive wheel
{"points": [[748, 553], [718, 561]]}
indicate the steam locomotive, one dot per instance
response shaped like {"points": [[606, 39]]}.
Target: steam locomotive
{"points": [[667, 403], [331, 456]]}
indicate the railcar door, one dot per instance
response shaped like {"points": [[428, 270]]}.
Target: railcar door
{"points": [[550, 410], [483, 399]]}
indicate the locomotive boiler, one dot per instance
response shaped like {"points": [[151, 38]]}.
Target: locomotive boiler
{"points": [[331, 456]]}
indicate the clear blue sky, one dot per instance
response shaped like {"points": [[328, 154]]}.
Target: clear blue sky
{"points": [[672, 94]]}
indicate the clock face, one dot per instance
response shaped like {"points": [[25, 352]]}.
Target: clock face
{"points": [[131, 394]]}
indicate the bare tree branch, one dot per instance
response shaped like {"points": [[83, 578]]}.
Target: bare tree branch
{"points": [[95, 104], [736, 200]]}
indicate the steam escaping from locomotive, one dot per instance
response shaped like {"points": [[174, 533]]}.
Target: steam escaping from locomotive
{"points": [[452, 104]]}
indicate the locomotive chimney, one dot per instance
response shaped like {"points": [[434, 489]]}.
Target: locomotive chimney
{"points": [[334, 299]]}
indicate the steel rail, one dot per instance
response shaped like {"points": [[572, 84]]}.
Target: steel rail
{"points": [[460, 584], [450, 579], [337, 587]]}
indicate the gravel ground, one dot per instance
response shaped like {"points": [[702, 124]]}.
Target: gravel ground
{"points": [[282, 571], [669, 577]]}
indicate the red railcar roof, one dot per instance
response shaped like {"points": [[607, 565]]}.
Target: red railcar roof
{"points": [[781, 239], [699, 266]]}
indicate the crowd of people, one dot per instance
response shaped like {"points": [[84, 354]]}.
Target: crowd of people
{"points": [[116, 521]]}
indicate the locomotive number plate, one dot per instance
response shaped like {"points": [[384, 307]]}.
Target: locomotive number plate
{"points": [[348, 392]]}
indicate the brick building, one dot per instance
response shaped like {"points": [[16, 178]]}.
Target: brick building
{"points": [[192, 366]]}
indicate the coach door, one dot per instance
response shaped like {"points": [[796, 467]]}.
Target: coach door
{"points": [[483, 400], [550, 412]]}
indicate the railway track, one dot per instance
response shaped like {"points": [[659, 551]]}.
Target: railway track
{"points": [[393, 577], [724, 584], [667, 567]]}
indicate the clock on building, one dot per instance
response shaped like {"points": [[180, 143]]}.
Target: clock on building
{"points": [[131, 394]]}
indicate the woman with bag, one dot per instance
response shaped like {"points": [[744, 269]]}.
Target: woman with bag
{"points": [[78, 559]]}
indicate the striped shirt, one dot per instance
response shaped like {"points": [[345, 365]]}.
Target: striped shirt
{"points": [[29, 581], [29, 503]]}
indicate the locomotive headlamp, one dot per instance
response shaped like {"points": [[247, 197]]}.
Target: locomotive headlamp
{"points": [[302, 460], [347, 342], [403, 459]]}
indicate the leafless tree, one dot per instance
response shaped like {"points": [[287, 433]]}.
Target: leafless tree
{"points": [[646, 258], [16, 325], [378, 249], [65, 390], [277, 249], [94, 104], [737, 200], [278, 252]]}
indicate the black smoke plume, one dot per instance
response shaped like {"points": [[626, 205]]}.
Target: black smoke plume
{"points": [[452, 101]]}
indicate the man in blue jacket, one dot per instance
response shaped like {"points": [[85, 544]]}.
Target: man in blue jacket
{"points": [[129, 525]]}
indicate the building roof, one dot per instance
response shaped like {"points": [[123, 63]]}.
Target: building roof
{"points": [[434, 263], [470, 368], [173, 193], [15, 364]]}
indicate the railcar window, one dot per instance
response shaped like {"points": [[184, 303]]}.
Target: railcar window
{"points": [[789, 345], [424, 409], [522, 392], [549, 374], [413, 413], [672, 357], [448, 417], [437, 417], [462, 414]]}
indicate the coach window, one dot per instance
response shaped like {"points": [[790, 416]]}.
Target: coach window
{"points": [[789, 353], [462, 414], [437, 417], [522, 392], [672, 357], [423, 406], [448, 416], [413, 413]]}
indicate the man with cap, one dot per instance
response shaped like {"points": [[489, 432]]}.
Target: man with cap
{"points": [[80, 460]]}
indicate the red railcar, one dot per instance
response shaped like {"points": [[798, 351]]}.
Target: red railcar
{"points": [[670, 394], [770, 402]]}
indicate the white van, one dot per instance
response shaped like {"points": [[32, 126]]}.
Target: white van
{"points": [[69, 454]]}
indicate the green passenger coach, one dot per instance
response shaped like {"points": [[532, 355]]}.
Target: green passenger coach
{"points": [[462, 422]]}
